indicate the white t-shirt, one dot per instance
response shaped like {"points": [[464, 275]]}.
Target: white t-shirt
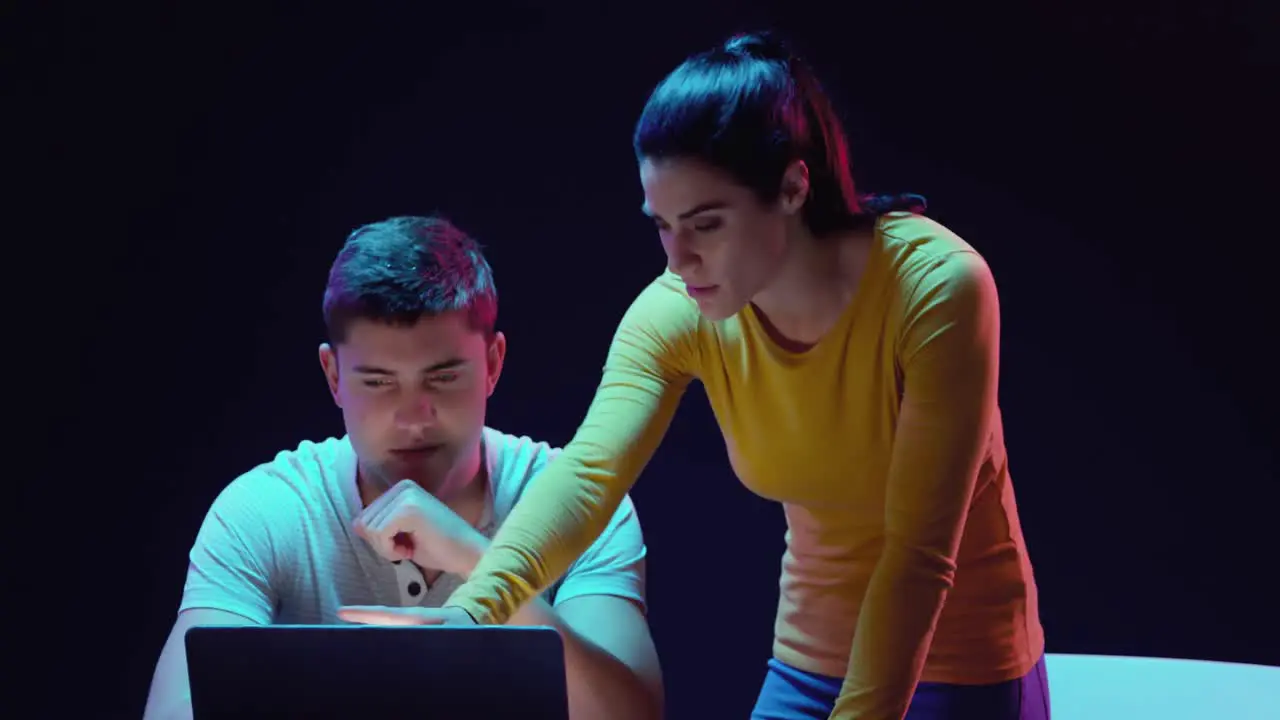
{"points": [[277, 546]]}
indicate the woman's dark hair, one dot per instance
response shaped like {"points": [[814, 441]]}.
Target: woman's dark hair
{"points": [[750, 108]]}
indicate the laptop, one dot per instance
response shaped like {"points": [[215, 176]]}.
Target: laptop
{"points": [[360, 671]]}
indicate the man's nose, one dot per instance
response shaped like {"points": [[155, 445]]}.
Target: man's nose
{"points": [[417, 412]]}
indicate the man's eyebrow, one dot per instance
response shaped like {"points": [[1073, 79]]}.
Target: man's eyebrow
{"points": [[449, 364]]}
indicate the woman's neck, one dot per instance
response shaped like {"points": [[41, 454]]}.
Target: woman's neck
{"points": [[818, 280]]}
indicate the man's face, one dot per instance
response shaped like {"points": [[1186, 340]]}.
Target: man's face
{"points": [[413, 397]]}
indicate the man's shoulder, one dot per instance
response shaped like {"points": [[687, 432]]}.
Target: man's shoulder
{"points": [[293, 479], [612, 565], [512, 462], [515, 462], [517, 450]]}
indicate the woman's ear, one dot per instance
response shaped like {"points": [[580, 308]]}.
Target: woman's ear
{"points": [[795, 187]]}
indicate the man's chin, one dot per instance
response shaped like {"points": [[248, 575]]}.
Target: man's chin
{"points": [[426, 477], [390, 473]]}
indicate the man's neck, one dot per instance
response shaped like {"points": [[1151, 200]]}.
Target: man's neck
{"points": [[469, 497]]}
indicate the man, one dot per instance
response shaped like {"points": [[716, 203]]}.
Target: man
{"points": [[388, 520]]}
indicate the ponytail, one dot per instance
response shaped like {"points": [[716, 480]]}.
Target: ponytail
{"points": [[877, 204]]}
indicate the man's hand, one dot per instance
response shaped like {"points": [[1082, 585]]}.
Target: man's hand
{"points": [[379, 615], [409, 523]]}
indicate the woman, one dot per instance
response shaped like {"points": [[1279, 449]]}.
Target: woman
{"points": [[849, 350]]}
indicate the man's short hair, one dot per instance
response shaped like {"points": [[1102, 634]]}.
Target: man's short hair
{"points": [[403, 268]]}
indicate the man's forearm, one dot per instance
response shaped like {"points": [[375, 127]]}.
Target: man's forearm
{"points": [[600, 685]]}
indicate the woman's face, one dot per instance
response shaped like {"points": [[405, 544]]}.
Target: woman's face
{"points": [[720, 239]]}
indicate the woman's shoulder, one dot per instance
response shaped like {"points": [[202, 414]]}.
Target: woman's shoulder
{"points": [[662, 322], [664, 306], [926, 261], [912, 241]]}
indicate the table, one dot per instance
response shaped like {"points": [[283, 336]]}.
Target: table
{"points": [[1103, 687]]}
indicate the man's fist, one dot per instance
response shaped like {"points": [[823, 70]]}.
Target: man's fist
{"points": [[409, 523]]}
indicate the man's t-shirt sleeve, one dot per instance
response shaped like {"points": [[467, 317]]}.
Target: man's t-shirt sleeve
{"points": [[613, 565], [233, 564]]}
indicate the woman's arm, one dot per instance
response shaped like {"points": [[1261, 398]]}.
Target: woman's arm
{"points": [[568, 505], [949, 353]]}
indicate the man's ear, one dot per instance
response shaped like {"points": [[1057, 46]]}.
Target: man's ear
{"points": [[495, 357], [329, 364]]}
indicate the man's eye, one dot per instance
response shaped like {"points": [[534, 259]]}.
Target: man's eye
{"points": [[708, 225], [443, 378], [377, 383]]}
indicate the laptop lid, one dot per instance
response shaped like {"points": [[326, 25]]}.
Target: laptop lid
{"points": [[350, 671]]}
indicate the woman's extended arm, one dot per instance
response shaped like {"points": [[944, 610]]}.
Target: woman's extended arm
{"points": [[568, 505]]}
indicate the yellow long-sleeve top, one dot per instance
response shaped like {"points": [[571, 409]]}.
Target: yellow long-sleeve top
{"points": [[905, 558]]}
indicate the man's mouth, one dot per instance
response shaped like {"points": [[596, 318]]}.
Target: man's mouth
{"points": [[418, 452]]}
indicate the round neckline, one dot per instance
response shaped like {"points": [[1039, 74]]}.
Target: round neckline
{"points": [[847, 314]]}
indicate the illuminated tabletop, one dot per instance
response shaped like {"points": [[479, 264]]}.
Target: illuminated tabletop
{"points": [[1101, 687]]}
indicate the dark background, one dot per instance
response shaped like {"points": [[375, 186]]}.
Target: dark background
{"points": [[181, 179]]}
